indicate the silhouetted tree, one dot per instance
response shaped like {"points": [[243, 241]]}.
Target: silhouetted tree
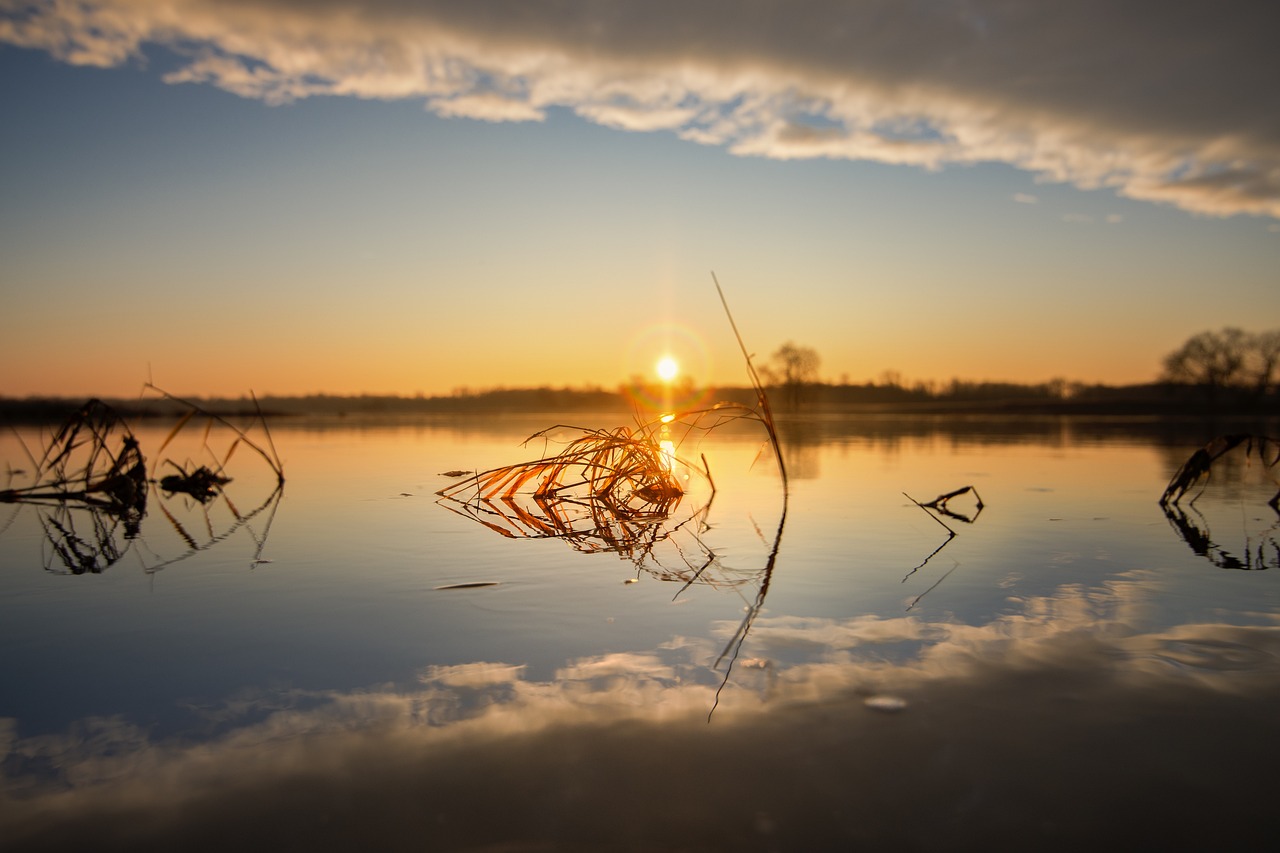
{"points": [[790, 368], [1263, 361], [1226, 359]]}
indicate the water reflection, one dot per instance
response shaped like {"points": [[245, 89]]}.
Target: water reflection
{"points": [[1229, 457], [938, 509], [994, 745], [1259, 550], [91, 491], [1046, 697], [85, 539], [619, 491]]}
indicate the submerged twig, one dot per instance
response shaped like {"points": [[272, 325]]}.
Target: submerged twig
{"points": [[925, 507], [939, 508], [939, 504], [951, 534]]}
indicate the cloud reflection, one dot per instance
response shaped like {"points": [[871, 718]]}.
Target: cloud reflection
{"points": [[1067, 713], [1174, 106]]}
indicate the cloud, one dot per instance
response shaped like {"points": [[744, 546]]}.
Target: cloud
{"points": [[1168, 105], [477, 754], [1025, 198]]}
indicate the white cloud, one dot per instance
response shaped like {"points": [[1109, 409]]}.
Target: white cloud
{"points": [[486, 106], [1097, 93], [1025, 198]]}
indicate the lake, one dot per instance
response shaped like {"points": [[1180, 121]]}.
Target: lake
{"points": [[1045, 660]]}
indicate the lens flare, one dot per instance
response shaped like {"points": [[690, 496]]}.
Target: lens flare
{"points": [[656, 387]]}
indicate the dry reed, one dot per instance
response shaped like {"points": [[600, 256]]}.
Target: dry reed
{"points": [[91, 486], [1197, 469]]}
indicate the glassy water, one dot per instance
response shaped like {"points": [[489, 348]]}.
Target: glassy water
{"points": [[1053, 660]]}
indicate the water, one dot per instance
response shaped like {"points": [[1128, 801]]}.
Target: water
{"points": [[351, 663]]}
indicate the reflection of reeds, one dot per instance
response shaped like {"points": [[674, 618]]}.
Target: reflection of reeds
{"points": [[624, 469], [215, 533], [617, 491], [93, 464], [90, 551], [1261, 551], [205, 485], [197, 481], [611, 491], [935, 509], [607, 490]]}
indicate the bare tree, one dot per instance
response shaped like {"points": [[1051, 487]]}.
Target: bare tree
{"points": [[1263, 361], [791, 367], [1212, 359], [1225, 359]]}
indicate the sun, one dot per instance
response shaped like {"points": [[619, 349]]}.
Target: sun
{"points": [[667, 368]]}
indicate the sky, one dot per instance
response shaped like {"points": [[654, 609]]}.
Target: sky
{"points": [[311, 196]]}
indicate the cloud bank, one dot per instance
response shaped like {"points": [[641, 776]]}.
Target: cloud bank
{"points": [[1168, 103]]}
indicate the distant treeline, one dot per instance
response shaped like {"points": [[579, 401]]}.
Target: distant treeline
{"points": [[956, 396]]}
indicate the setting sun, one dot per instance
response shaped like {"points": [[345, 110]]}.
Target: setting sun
{"points": [[667, 368]]}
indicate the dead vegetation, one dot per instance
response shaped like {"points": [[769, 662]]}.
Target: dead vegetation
{"points": [[1259, 549], [616, 490], [937, 509], [939, 505], [623, 491], [624, 470], [630, 491], [93, 459], [606, 491], [1194, 474], [92, 486]]}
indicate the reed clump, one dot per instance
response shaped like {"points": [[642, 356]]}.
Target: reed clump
{"points": [[1194, 474], [623, 468], [92, 484], [93, 458], [619, 490]]}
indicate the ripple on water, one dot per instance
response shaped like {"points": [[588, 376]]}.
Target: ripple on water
{"points": [[1214, 655]]}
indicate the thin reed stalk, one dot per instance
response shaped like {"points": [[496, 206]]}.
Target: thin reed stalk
{"points": [[271, 456], [762, 398]]}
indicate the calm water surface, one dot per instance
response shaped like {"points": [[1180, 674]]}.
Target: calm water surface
{"points": [[351, 663]]}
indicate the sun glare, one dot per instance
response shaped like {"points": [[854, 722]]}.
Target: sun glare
{"points": [[667, 368]]}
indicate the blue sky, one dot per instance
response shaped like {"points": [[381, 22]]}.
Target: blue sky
{"points": [[409, 198]]}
